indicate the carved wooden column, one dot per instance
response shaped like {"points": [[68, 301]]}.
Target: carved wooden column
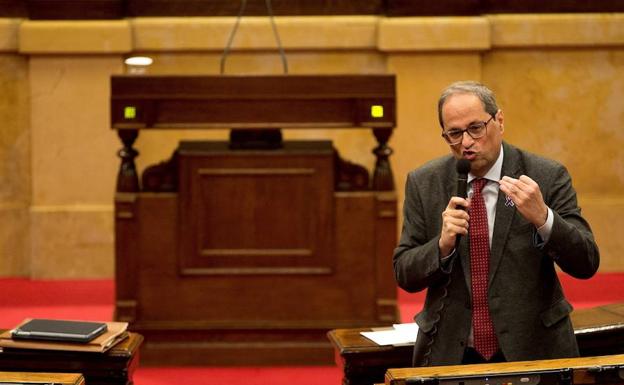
{"points": [[127, 178], [382, 175]]}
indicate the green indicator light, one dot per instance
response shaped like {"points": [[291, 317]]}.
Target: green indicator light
{"points": [[129, 112], [377, 111]]}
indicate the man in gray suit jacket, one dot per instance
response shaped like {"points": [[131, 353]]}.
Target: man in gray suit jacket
{"points": [[533, 221]]}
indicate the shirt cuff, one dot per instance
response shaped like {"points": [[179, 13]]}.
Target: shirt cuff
{"points": [[545, 230], [445, 263]]}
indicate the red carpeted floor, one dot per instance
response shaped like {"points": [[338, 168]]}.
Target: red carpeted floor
{"points": [[93, 300]]}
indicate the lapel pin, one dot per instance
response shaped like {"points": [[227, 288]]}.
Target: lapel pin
{"points": [[509, 202]]}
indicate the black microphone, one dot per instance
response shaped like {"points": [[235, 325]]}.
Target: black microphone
{"points": [[463, 168]]}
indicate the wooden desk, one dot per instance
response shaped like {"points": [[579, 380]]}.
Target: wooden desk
{"points": [[115, 367], [47, 378], [582, 370], [599, 331], [362, 361]]}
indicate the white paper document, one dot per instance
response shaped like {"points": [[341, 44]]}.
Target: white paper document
{"points": [[399, 334]]}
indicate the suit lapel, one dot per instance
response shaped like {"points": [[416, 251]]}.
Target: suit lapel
{"points": [[504, 212]]}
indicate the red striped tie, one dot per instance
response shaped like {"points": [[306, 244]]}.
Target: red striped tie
{"points": [[484, 336]]}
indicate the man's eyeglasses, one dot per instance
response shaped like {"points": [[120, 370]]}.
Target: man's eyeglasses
{"points": [[475, 130]]}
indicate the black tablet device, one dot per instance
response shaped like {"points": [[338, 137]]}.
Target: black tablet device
{"points": [[59, 330]]}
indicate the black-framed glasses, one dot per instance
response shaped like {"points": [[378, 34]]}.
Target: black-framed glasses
{"points": [[476, 130]]}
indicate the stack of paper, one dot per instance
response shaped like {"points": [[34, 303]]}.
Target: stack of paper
{"points": [[399, 334]]}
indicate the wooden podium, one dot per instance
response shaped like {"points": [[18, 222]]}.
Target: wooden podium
{"points": [[598, 330], [247, 252]]}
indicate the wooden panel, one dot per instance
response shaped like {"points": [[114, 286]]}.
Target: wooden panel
{"points": [[585, 370], [225, 346], [433, 8], [292, 101], [113, 9], [51, 378], [385, 240], [257, 300], [553, 6], [256, 113], [275, 319], [13, 8], [245, 212], [126, 266], [253, 8], [75, 9], [482, 7]]}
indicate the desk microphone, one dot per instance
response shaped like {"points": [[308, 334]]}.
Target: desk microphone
{"points": [[463, 167]]}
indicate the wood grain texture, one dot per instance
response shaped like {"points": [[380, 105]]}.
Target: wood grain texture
{"points": [[256, 253], [579, 365], [56, 378]]}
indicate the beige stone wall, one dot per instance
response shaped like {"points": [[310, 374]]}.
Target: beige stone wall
{"points": [[73, 166], [567, 104], [15, 185], [558, 78], [15, 178]]}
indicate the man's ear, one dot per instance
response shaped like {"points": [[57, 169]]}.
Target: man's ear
{"points": [[500, 118]]}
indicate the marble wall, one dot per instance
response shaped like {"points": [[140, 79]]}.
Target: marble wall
{"points": [[558, 79]]}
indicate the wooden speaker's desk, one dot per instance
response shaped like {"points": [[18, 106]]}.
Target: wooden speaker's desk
{"points": [[43, 378], [598, 330], [582, 370], [248, 252], [114, 367]]}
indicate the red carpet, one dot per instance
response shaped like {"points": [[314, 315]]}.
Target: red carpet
{"points": [[240, 376], [93, 300]]}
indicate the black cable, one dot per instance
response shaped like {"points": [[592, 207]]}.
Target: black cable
{"points": [[434, 329], [277, 37], [228, 45], [463, 168]]}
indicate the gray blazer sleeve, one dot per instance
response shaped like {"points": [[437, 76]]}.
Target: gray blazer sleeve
{"points": [[571, 244], [417, 258]]}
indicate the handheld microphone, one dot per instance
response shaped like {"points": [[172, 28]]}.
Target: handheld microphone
{"points": [[463, 168]]}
